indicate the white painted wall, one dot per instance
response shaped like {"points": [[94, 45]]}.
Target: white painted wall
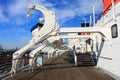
{"points": [[110, 52]]}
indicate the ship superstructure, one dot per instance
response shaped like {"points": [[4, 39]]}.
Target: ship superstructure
{"points": [[98, 44]]}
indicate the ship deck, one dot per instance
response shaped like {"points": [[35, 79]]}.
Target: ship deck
{"points": [[62, 68]]}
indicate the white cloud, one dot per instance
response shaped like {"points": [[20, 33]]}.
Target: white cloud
{"points": [[64, 15], [65, 2], [65, 12], [69, 9], [24, 40], [3, 18], [78, 8], [85, 6], [18, 9]]}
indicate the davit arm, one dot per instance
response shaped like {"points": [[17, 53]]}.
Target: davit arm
{"points": [[49, 42], [49, 26], [34, 54]]}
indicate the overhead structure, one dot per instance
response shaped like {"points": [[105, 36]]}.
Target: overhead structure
{"points": [[40, 33], [54, 41]]}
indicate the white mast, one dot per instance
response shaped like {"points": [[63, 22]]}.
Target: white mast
{"points": [[93, 8], [90, 21], [84, 19], [113, 9]]}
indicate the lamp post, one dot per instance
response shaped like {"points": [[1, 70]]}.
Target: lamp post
{"points": [[93, 11], [113, 9], [84, 19], [90, 21]]}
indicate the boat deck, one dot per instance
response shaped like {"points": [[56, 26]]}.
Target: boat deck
{"points": [[62, 68]]}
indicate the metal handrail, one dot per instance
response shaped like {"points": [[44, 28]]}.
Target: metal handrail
{"points": [[75, 56]]}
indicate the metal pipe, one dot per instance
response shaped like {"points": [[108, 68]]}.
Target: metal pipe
{"points": [[84, 19], [113, 9], [90, 21], [93, 8]]}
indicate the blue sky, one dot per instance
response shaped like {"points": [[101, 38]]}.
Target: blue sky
{"points": [[15, 27]]}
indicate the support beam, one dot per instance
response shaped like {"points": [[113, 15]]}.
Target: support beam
{"points": [[104, 31], [76, 37]]}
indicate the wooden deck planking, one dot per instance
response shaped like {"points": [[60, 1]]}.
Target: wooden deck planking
{"points": [[62, 69]]}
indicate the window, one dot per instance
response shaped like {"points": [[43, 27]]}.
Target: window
{"points": [[79, 33], [78, 48], [114, 31]]}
